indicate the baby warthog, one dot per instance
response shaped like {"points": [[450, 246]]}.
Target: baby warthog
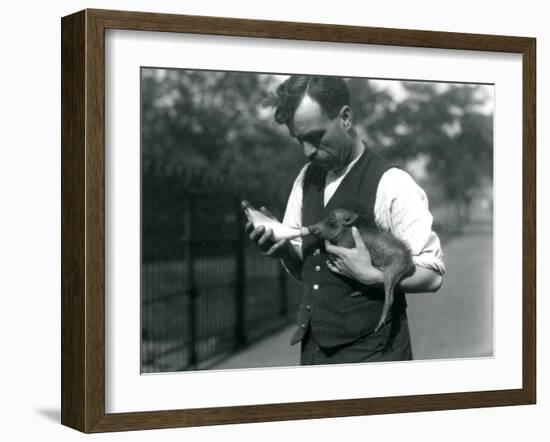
{"points": [[388, 254]]}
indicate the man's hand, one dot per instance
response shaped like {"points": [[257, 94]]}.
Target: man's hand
{"points": [[264, 238], [354, 263]]}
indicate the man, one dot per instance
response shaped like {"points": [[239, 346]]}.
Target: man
{"points": [[336, 325]]}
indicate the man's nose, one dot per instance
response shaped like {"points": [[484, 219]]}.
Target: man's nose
{"points": [[310, 151]]}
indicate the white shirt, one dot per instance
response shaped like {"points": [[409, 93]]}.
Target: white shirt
{"points": [[401, 207]]}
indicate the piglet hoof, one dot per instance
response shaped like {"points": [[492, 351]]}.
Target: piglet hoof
{"points": [[380, 324], [356, 293]]}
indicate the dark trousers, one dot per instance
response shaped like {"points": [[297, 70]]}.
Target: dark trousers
{"points": [[391, 343]]}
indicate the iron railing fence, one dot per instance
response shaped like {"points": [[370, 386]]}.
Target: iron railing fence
{"points": [[206, 291]]}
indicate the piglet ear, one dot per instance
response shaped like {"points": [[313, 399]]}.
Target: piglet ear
{"points": [[350, 219]]}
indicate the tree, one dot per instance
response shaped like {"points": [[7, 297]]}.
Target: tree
{"points": [[444, 125], [215, 122]]}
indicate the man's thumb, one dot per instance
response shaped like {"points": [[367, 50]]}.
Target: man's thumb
{"points": [[359, 243]]}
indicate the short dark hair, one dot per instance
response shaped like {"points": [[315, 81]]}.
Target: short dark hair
{"points": [[331, 93]]}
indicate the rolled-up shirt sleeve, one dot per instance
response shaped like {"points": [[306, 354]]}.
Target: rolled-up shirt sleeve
{"points": [[402, 208], [293, 212]]}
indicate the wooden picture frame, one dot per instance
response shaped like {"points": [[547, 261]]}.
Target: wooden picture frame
{"points": [[83, 220]]}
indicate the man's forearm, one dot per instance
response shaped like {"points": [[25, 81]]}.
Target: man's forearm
{"points": [[422, 280]]}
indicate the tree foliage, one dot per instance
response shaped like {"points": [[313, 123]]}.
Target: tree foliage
{"points": [[215, 122], [448, 128]]}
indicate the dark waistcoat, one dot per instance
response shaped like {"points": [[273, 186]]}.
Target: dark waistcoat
{"points": [[334, 316]]}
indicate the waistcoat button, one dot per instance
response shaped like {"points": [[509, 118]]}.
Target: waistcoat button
{"points": [[315, 286], [317, 268]]}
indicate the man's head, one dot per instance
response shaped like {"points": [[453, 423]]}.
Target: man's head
{"points": [[317, 113]]}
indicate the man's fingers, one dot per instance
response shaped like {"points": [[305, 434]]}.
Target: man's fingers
{"points": [[249, 227], [275, 247], [257, 233], [333, 268], [334, 250], [330, 248], [267, 236]]}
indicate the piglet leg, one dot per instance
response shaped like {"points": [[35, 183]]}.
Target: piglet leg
{"points": [[392, 275], [390, 279]]}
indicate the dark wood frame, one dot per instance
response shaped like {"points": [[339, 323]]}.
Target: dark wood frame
{"points": [[83, 217]]}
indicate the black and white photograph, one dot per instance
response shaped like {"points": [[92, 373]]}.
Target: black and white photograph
{"points": [[275, 221], [294, 220]]}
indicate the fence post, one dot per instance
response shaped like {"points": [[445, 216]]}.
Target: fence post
{"points": [[192, 284], [283, 290], [240, 285]]}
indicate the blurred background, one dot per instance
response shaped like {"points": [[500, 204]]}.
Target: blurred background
{"points": [[209, 299]]}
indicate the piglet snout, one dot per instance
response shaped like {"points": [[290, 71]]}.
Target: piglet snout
{"points": [[314, 230]]}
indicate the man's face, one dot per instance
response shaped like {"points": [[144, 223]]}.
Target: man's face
{"points": [[325, 142]]}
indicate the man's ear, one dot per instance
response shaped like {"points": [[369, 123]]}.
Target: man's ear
{"points": [[346, 116], [350, 219]]}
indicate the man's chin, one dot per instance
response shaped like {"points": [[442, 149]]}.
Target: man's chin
{"points": [[328, 164]]}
